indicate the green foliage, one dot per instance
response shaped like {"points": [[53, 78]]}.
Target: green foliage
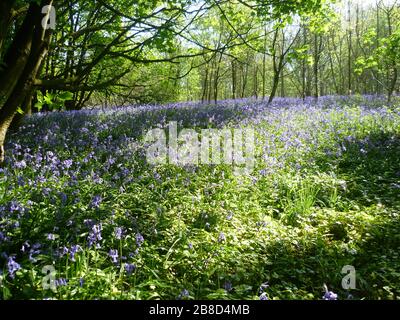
{"points": [[275, 9], [386, 56], [54, 101]]}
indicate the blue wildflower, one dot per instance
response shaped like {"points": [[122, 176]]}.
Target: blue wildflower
{"points": [[139, 239], [61, 282], [15, 206], [263, 296], [51, 237], [329, 295], [263, 287], [228, 286], [184, 294], [64, 251], [12, 266], [34, 251], [96, 201], [113, 254], [67, 164], [89, 223], [64, 197], [130, 268], [73, 250], [95, 235], [20, 165], [118, 233]]}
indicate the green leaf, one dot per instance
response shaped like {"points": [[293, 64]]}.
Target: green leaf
{"points": [[65, 96], [38, 106]]}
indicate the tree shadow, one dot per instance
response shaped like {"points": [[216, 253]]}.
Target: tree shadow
{"points": [[371, 168]]}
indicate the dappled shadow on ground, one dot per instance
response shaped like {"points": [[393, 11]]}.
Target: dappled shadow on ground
{"points": [[371, 168], [291, 268], [379, 259]]}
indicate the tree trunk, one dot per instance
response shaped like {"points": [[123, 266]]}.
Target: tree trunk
{"points": [[274, 88], [316, 67], [5, 21], [392, 85], [38, 43], [205, 85], [18, 53], [244, 82], [275, 83], [27, 109], [256, 82], [233, 80], [349, 55], [303, 67], [264, 65]]}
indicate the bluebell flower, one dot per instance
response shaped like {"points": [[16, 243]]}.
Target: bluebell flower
{"points": [[15, 206], [64, 251], [20, 165], [51, 237], [95, 235], [64, 197], [329, 295], [61, 282], [73, 250], [118, 233], [21, 181], [67, 164], [139, 239], [96, 201], [135, 253], [263, 296], [228, 286], [34, 251], [263, 287], [12, 266], [15, 225], [113, 254], [111, 161], [184, 294], [221, 237], [89, 223], [130, 268]]}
